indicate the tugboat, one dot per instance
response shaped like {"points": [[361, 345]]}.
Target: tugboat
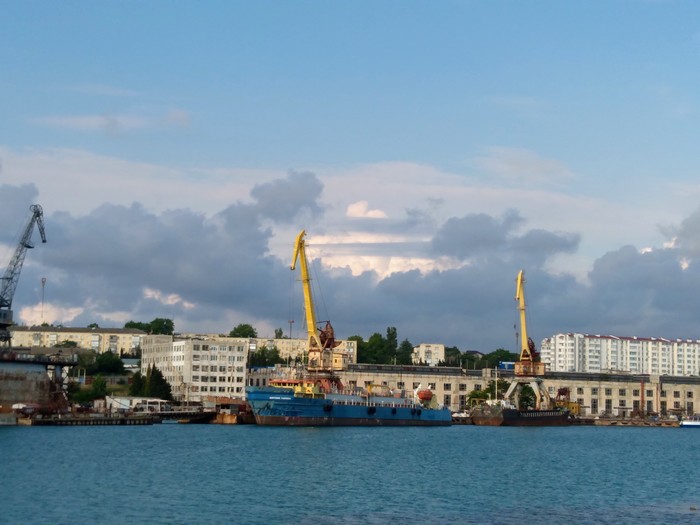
{"points": [[318, 398], [528, 371]]}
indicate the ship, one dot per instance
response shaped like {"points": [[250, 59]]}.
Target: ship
{"points": [[315, 396], [323, 402], [506, 415]]}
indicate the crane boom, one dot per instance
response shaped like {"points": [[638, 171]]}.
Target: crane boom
{"points": [[300, 254], [8, 282], [528, 364]]}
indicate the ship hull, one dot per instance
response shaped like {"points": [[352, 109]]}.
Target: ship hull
{"points": [[279, 407], [510, 417]]}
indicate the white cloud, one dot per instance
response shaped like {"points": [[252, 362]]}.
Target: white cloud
{"points": [[47, 313], [166, 299], [361, 209]]}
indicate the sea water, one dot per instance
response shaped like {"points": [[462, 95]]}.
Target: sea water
{"points": [[190, 474]]}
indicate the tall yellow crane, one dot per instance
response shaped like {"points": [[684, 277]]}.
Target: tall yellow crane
{"points": [[528, 370], [528, 364], [320, 342]]}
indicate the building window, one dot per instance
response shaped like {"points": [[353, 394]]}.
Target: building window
{"points": [[415, 385], [623, 404], [579, 391], [447, 400], [676, 394], [594, 406], [635, 393], [400, 385], [676, 404], [663, 393], [689, 395], [622, 392], [608, 391], [431, 386], [477, 387], [650, 393], [462, 387], [447, 387], [594, 391]]}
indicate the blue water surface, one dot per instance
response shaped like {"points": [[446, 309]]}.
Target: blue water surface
{"points": [[177, 474]]}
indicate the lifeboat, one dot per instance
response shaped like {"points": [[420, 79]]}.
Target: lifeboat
{"points": [[425, 395]]}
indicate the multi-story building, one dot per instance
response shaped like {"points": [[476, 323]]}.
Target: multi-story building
{"points": [[198, 366], [606, 353], [429, 354], [120, 341]]}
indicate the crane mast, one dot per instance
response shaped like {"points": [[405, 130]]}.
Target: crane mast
{"points": [[8, 282], [320, 343]]}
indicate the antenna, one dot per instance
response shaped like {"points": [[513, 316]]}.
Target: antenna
{"points": [[43, 284]]}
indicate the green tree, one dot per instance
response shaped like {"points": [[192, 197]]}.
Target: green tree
{"points": [[93, 325], [162, 326], [134, 325], [138, 385], [98, 388], [404, 354], [157, 385], [243, 330], [453, 356], [279, 334], [108, 363], [265, 357]]}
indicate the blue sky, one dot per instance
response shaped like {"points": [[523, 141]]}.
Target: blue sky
{"points": [[430, 149]]}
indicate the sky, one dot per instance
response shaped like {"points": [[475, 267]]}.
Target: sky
{"points": [[430, 150]]}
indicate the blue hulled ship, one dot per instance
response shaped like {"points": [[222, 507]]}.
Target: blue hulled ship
{"points": [[305, 402]]}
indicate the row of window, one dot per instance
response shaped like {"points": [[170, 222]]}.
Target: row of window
{"points": [[214, 379], [205, 368], [622, 392]]}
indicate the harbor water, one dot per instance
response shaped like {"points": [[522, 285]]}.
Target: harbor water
{"points": [[188, 474]]}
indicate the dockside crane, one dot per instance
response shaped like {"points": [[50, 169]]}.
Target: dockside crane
{"points": [[529, 370], [321, 357], [8, 282]]}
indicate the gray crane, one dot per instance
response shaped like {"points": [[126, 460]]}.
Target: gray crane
{"points": [[8, 282]]}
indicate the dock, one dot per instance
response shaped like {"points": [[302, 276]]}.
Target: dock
{"points": [[73, 421]]}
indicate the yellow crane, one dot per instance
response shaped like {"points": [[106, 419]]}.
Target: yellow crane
{"points": [[528, 370], [528, 364], [320, 344]]}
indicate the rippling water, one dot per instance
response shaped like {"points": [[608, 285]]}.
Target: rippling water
{"points": [[176, 474]]}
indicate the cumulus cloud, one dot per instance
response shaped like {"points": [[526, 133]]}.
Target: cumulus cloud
{"points": [[449, 281], [361, 209]]}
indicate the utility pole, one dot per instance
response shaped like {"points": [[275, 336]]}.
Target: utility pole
{"points": [[43, 284]]}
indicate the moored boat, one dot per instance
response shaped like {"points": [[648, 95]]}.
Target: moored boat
{"points": [[501, 414], [691, 421], [305, 402]]}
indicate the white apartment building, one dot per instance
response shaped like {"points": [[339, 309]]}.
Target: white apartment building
{"points": [[587, 353], [117, 340], [429, 354], [199, 366]]}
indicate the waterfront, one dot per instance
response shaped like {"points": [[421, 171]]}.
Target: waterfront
{"points": [[168, 474]]}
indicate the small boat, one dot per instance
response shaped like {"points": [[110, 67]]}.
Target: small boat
{"points": [[691, 421]]}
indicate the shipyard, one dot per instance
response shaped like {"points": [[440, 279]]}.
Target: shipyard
{"points": [[325, 386]]}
